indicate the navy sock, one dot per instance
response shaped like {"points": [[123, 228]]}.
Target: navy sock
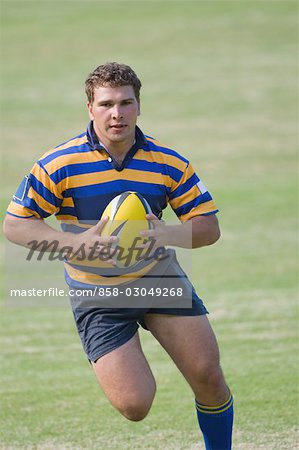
{"points": [[216, 424]]}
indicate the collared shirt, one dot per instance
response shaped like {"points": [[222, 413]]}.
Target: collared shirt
{"points": [[77, 179]]}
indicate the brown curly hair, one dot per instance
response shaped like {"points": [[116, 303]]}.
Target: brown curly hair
{"points": [[112, 74]]}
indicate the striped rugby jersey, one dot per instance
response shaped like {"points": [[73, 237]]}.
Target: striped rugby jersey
{"points": [[77, 179]]}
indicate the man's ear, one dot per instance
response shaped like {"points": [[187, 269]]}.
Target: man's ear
{"points": [[89, 107], [139, 111]]}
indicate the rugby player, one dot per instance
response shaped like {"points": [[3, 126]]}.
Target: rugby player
{"points": [[75, 181]]}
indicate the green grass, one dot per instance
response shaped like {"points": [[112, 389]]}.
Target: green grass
{"points": [[220, 85]]}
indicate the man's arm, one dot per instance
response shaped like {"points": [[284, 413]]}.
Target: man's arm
{"points": [[197, 232], [205, 230], [23, 231]]}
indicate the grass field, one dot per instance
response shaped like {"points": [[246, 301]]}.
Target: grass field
{"points": [[220, 85]]}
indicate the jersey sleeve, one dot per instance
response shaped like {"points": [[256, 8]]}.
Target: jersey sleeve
{"points": [[190, 198], [36, 196]]}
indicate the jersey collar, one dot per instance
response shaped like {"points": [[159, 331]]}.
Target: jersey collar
{"points": [[140, 142]]}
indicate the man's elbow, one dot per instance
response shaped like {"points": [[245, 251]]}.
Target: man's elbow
{"points": [[215, 235], [209, 238], [11, 228], [206, 231], [8, 228]]}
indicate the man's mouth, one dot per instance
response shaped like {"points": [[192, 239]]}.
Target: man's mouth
{"points": [[118, 126]]}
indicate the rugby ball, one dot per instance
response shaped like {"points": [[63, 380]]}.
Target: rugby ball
{"points": [[126, 214]]}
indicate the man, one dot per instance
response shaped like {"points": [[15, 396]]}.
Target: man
{"points": [[75, 181]]}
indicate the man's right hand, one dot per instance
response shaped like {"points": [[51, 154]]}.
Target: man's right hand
{"points": [[94, 244]]}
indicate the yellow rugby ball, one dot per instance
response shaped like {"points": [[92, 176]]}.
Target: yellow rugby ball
{"points": [[126, 214]]}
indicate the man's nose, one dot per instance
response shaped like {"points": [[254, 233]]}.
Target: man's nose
{"points": [[117, 112]]}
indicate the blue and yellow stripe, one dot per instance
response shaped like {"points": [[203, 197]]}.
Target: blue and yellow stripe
{"points": [[215, 409], [75, 181]]}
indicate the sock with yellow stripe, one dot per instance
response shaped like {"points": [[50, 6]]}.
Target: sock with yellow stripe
{"points": [[216, 424]]}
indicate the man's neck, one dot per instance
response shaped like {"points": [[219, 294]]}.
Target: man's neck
{"points": [[119, 150]]}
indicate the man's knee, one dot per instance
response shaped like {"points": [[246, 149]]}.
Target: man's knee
{"points": [[209, 373], [135, 410], [135, 404], [135, 413]]}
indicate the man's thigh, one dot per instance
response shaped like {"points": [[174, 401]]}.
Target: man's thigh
{"points": [[189, 340], [126, 379]]}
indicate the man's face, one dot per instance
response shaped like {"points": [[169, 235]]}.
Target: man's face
{"points": [[114, 112]]}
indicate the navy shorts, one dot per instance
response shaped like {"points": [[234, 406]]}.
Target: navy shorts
{"points": [[103, 328]]}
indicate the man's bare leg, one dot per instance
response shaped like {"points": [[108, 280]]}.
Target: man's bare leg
{"points": [[126, 379]]}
